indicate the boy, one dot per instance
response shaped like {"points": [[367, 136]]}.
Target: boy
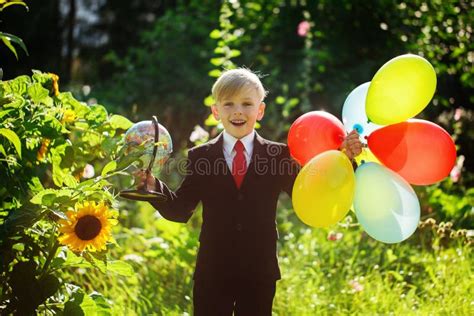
{"points": [[238, 176]]}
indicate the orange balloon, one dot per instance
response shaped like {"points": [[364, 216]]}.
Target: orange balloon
{"points": [[420, 151], [313, 133]]}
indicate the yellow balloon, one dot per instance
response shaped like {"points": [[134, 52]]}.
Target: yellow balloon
{"points": [[400, 89], [366, 156], [324, 189]]}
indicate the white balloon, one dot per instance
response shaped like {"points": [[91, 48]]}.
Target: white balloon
{"points": [[353, 113], [385, 204]]}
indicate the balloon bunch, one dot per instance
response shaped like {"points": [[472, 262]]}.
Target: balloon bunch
{"points": [[399, 151]]}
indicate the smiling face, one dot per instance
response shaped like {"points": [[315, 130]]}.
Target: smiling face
{"points": [[240, 111]]}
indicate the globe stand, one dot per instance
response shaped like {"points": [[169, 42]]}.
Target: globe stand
{"points": [[144, 194]]}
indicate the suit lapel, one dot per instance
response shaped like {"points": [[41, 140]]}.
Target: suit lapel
{"points": [[218, 162]]}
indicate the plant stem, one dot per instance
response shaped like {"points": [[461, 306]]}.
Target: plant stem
{"points": [[51, 255]]}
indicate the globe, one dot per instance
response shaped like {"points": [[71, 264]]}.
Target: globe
{"points": [[140, 142]]}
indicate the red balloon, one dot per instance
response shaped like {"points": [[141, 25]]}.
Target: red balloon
{"points": [[313, 133], [420, 151]]}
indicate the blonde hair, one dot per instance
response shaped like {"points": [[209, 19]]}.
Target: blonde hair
{"points": [[231, 81]]}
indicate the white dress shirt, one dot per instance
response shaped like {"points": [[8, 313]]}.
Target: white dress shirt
{"points": [[229, 151]]}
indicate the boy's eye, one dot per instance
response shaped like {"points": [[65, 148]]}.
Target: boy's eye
{"points": [[248, 104], [228, 104]]}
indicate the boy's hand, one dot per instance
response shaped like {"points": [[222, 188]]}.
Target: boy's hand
{"points": [[142, 177], [352, 146]]}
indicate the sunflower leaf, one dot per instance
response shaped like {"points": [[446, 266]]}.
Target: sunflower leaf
{"points": [[109, 167], [80, 304], [119, 121], [13, 138], [120, 267]]}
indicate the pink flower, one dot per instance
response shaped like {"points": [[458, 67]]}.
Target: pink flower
{"points": [[303, 28], [456, 171], [457, 114], [455, 174], [334, 236], [356, 286], [88, 171]]}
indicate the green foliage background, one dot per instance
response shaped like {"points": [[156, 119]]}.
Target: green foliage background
{"points": [[164, 63]]}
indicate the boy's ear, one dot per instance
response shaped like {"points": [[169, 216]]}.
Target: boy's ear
{"points": [[215, 113], [261, 111]]}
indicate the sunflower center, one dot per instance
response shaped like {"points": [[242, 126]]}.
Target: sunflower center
{"points": [[87, 227]]}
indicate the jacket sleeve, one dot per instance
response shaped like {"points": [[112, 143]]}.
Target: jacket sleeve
{"points": [[180, 204], [290, 170]]}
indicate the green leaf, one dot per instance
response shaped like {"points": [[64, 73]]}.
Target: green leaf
{"points": [[8, 38], [211, 121], [15, 102], [254, 6], [45, 197], [69, 180], [41, 77], [217, 61], [209, 101], [235, 53], [120, 267], [103, 307], [69, 157], [97, 115], [280, 100], [215, 34], [57, 262], [219, 50], [7, 4], [8, 44], [21, 218], [391, 257], [76, 261], [35, 185], [5, 112], [18, 85], [215, 73], [293, 102], [80, 304], [37, 93], [396, 275], [80, 108], [13, 138], [19, 246], [120, 122], [127, 160], [111, 166]]}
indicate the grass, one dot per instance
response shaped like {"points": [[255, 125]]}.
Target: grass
{"points": [[354, 275]]}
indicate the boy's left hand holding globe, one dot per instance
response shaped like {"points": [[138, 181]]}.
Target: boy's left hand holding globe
{"points": [[144, 180], [151, 143]]}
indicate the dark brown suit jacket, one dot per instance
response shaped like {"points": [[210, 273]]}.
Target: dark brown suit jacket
{"points": [[238, 236]]}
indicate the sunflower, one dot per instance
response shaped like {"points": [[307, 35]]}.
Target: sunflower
{"points": [[88, 227]]}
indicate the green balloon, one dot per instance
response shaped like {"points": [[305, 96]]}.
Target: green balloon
{"points": [[385, 204]]}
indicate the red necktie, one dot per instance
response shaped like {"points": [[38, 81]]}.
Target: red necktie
{"points": [[239, 164]]}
